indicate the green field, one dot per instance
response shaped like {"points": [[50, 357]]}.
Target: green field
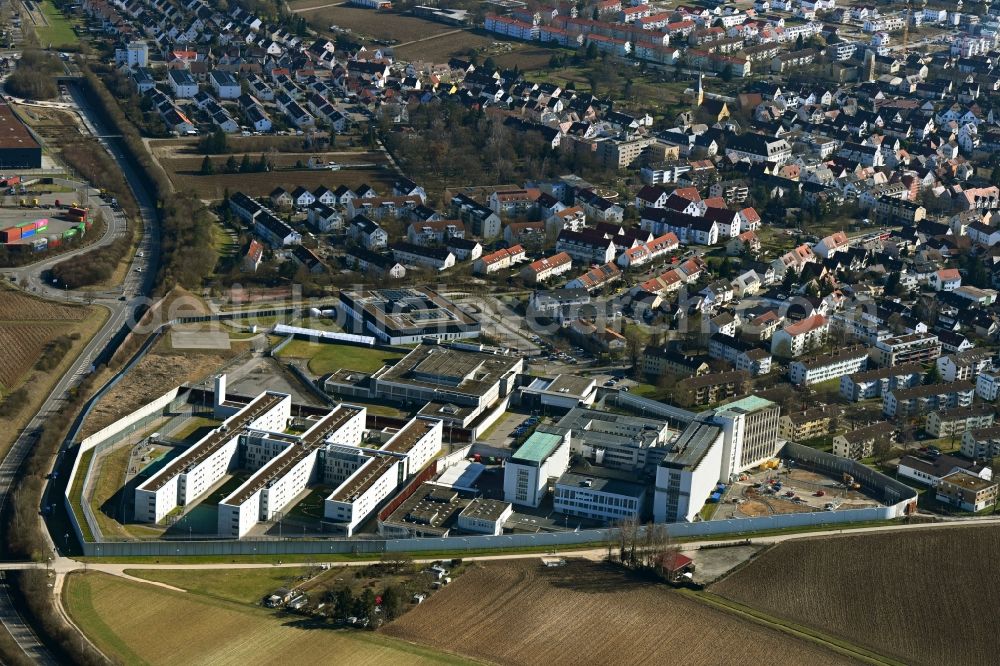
{"points": [[59, 31], [135, 623], [325, 358], [239, 585]]}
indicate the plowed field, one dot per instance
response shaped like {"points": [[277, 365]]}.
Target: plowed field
{"points": [[519, 612]]}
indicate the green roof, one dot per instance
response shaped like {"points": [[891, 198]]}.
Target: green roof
{"points": [[537, 448], [751, 403]]}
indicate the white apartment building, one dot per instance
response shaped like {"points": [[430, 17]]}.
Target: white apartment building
{"points": [[806, 372], [796, 339], [988, 385], [364, 490]]}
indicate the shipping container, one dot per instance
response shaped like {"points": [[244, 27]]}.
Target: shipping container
{"points": [[44, 222], [69, 233], [40, 244], [41, 230], [27, 227], [27, 233], [11, 180], [80, 226], [77, 211], [10, 235], [55, 242]]}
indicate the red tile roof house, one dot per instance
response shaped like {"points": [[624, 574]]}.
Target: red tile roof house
{"points": [[946, 279]]}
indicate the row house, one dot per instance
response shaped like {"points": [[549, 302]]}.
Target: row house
{"points": [[435, 258], [547, 268], [645, 253], [502, 259]]}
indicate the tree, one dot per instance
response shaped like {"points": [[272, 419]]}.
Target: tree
{"points": [[245, 165], [344, 602], [790, 280], [207, 168], [393, 603], [364, 605], [799, 43], [995, 176], [727, 73], [231, 165], [932, 376]]}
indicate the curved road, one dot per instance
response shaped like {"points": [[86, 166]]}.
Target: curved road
{"points": [[122, 306]]}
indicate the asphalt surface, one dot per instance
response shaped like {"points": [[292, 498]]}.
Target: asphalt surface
{"points": [[137, 284]]}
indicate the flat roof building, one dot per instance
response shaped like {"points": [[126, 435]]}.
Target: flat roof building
{"points": [[439, 374], [618, 441], [598, 497], [405, 316], [543, 456], [485, 516]]}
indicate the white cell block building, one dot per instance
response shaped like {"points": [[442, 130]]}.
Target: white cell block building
{"points": [[196, 470], [294, 467]]}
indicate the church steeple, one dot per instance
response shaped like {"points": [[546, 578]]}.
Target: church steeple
{"points": [[700, 94]]}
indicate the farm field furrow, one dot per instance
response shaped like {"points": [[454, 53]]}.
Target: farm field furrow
{"points": [[20, 347], [864, 589], [583, 613]]}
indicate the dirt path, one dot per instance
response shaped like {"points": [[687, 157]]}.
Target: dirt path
{"points": [[312, 9], [426, 39]]}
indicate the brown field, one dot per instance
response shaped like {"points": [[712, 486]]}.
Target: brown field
{"points": [[20, 307], [27, 325], [518, 612], [922, 597], [527, 57], [369, 24], [158, 372], [440, 49], [137, 623], [261, 184], [22, 344]]}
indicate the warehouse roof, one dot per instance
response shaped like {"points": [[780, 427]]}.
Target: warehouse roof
{"points": [[14, 133]]}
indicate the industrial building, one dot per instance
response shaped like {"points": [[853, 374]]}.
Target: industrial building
{"points": [[617, 441], [406, 316], [18, 147], [718, 444], [599, 497], [457, 383], [544, 456]]}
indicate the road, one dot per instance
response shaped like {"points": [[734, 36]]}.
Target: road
{"points": [[138, 283], [64, 565]]}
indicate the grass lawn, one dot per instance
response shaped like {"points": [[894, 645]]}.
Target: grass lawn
{"points": [[195, 428], [59, 32], [325, 357], [239, 585], [311, 506], [136, 623], [76, 493]]}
